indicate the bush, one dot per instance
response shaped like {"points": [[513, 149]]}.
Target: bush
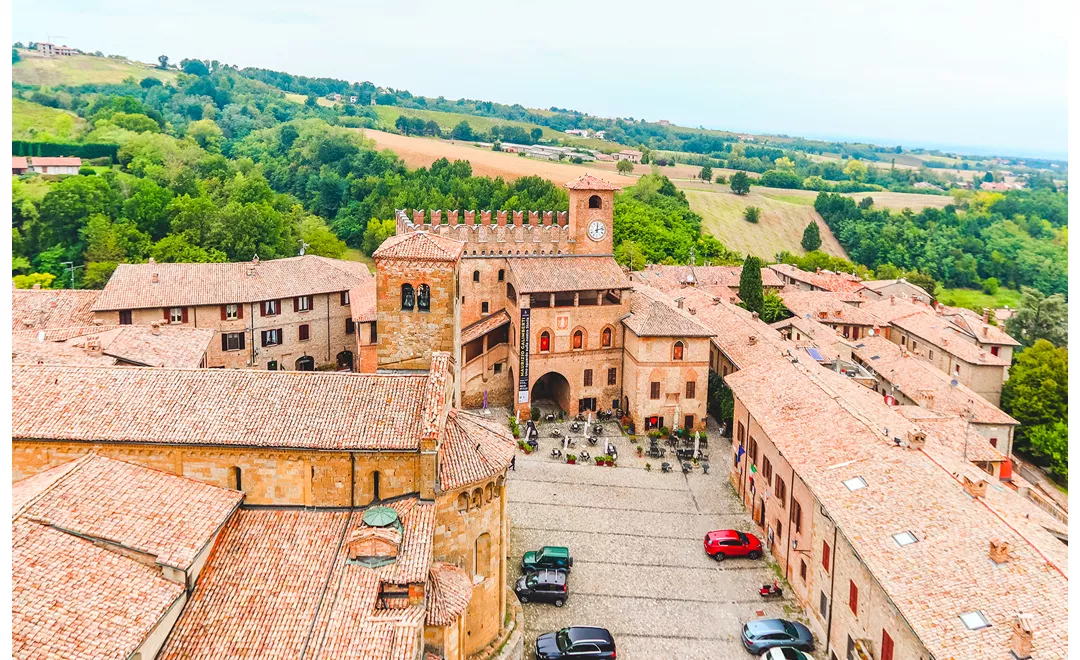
{"points": [[87, 171], [534, 414], [780, 179], [720, 178], [990, 285], [752, 214]]}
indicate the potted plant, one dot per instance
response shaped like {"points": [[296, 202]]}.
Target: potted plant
{"points": [[571, 459], [599, 460], [640, 451], [654, 434], [608, 460], [521, 444], [665, 431]]}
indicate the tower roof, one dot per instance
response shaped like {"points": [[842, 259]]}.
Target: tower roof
{"points": [[590, 182], [420, 246]]}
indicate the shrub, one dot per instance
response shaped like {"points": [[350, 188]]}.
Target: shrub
{"points": [[990, 285], [87, 171], [752, 214], [534, 414]]}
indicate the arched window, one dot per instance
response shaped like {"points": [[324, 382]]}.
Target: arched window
{"points": [[463, 502], [482, 557], [605, 338], [594, 202], [236, 478], [375, 479], [545, 342], [477, 499], [502, 274], [407, 297], [423, 300], [476, 276], [677, 351], [579, 340], [488, 492]]}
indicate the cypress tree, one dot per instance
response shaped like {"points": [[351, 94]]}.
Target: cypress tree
{"points": [[811, 237], [750, 289]]}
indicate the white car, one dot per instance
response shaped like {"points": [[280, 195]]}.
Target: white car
{"points": [[785, 653]]}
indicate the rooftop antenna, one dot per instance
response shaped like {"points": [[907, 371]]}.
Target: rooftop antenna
{"points": [[303, 246], [71, 268]]}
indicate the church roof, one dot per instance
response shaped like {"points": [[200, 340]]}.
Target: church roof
{"points": [[420, 246]]}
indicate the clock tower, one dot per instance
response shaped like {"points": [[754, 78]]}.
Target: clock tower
{"points": [[591, 221]]}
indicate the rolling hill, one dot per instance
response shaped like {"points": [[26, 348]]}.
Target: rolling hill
{"points": [[30, 121], [81, 70]]}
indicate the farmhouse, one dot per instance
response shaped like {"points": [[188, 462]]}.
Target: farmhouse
{"points": [[632, 155], [19, 165], [54, 165], [46, 49]]}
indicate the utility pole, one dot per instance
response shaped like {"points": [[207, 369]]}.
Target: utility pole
{"points": [[71, 268]]}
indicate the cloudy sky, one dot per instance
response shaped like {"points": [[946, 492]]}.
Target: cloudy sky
{"points": [[963, 74]]}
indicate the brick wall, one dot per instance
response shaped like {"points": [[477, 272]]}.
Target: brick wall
{"points": [[408, 337], [649, 359]]}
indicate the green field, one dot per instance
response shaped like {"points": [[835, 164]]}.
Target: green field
{"points": [[81, 70], [977, 300], [300, 98], [30, 121]]}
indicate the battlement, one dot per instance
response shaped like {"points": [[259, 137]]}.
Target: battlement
{"points": [[511, 233]]}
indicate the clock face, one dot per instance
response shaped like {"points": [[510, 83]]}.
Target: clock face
{"points": [[597, 230]]}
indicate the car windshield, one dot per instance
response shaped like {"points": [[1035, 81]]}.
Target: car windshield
{"points": [[743, 538], [791, 630], [562, 639]]}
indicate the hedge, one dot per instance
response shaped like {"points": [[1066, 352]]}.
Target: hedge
{"points": [[26, 148]]}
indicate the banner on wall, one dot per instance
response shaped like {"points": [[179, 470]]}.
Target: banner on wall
{"points": [[523, 365]]}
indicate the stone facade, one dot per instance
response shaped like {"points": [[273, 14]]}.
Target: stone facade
{"points": [[407, 336], [683, 383]]}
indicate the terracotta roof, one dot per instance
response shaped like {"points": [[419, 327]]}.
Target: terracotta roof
{"points": [[727, 276], [924, 383], [451, 589], [567, 273], [132, 287], [52, 308], [875, 285], [818, 335], [654, 314], [824, 279], [984, 333], [952, 431], [167, 517], [363, 300], [484, 326], [55, 161], [948, 338], [220, 407], [18, 163], [73, 599], [169, 346], [835, 310], [475, 448], [590, 182], [420, 246], [893, 308], [830, 432], [743, 339]]}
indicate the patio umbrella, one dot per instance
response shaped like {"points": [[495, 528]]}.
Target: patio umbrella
{"points": [[697, 443]]}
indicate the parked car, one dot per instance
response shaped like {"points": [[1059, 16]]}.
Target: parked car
{"points": [[550, 556], [765, 634], [546, 586], [784, 653], [724, 543], [575, 642]]}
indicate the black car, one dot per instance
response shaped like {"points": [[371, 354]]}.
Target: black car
{"points": [[542, 587], [764, 634], [576, 642]]}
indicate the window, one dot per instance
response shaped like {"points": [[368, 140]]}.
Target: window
{"points": [[303, 303], [232, 341], [741, 432], [230, 312], [482, 565], [605, 338], [350, 326], [271, 307], [796, 515], [612, 376], [463, 502], [177, 314], [595, 203], [588, 403], [903, 340], [677, 351], [691, 389], [688, 422], [654, 390], [913, 345], [825, 555], [766, 469], [588, 378], [823, 604], [375, 479], [236, 478], [779, 529], [751, 449], [545, 342], [125, 317], [853, 598], [497, 367], [886, 646], [345, 298], [931, 354], [995, 350], [802, 569], [993, 442], [781, 492], [974, 620], [476, 276], [484, 308], [904, 538], [423, 298], [374, 333], [855, 483], [956, 370], [408, 297], [579, 340], [502, 274], [271, 337], [305, 332]]}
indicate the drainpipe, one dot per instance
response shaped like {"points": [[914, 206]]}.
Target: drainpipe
{"points": [[251, 315], [745, 464], [791, 516], [832, 582], [328, 349]]}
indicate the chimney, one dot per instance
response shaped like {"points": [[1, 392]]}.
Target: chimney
{"points": [[976, 489], [93, 346], [999, 551], [755, 315], [916, 439], [892, 299], [986, 314], [151, 261], [154, 278], [155, 328], [939, 309], [52, 303], [37, 286], [678, 302], [752, 340], [692, 310], [733, 300], [986, 331], [1023, 634]]}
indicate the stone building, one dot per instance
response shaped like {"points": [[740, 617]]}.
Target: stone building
{"points": [[284, 314], [310, 452]]}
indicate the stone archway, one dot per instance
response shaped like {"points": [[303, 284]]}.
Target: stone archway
{"points": [[554, 388], [306, 363], [345, 361]]}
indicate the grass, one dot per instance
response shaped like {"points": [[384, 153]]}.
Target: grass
{"points": [[353, 254], [802, 200], [977, 300], [30, 121], [81, 70], [301, 99], [33, 188], [780, 226]]}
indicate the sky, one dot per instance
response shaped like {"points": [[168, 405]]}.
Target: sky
{"points": [[982, 76]]}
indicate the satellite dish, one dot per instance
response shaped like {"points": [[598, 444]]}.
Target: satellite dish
{"points": [[954, 382]]}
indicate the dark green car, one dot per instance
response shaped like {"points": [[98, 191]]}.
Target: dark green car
{"points": [[548, 557]]}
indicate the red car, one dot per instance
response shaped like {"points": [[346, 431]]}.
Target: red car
{"points": [[724, 543]]}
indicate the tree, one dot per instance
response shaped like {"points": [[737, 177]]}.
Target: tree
{"points": [[1040, 317], [15, 56], [463, 131], [988, 177], [207, 135], [536, 134], [311, 101], [377, 231], [750, 289], [706, 173], [990, 286], [28, 281], [1037, 395], [784, 163], [922, 280], [194, 67], [720, 178], [752, 214], [1050, 442], [163, 61], [178, 248], [855, 170], [624, 167], [772, 308], [811, 237], [630, 255], [148, 82], [740, 183], [320, 240]]}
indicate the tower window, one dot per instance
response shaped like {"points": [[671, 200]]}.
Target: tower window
{"points": [[605, 338], [579, 340], [595, 203], [502, 276], [423, 300], [476, 276], [408, 297]]}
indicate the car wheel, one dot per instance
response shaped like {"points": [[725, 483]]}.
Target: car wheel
{"points": [[559, 602], [719, 556], [754, 554], [523, 599]]}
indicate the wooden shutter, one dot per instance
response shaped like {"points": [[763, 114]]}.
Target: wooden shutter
{"points": [[264, 338], [886, 646], [167, 317], [343, 298], [305, 332], [224, 314], [296, 304], [242, 339], [224, 342], [262, 308], [183, 314], [853, 597], [825, 555], [350, 326], [239, 310]]}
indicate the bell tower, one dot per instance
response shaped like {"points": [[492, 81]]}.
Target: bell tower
{"points": [[592, 212]]}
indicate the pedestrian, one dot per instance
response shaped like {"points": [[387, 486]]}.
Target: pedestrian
{"points": [[513, 459]]}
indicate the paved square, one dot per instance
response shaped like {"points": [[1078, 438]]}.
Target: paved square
{"points": [[636, 537]]}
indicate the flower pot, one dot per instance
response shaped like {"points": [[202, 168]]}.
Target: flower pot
{"points": [[571, 461], [599, 461], [609, 463]]}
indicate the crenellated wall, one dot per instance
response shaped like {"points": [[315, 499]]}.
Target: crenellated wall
{"points": [[505, 234]]}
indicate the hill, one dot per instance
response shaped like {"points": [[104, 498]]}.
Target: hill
{"points": [[81, 70], [30, 121]]}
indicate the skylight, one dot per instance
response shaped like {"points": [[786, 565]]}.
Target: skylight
{"points": [[904, 538], [855, 483], [974, 620]]}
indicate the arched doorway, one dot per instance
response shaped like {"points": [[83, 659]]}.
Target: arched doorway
{"points": [[306, 363], [345, 361], [552, 388]]}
